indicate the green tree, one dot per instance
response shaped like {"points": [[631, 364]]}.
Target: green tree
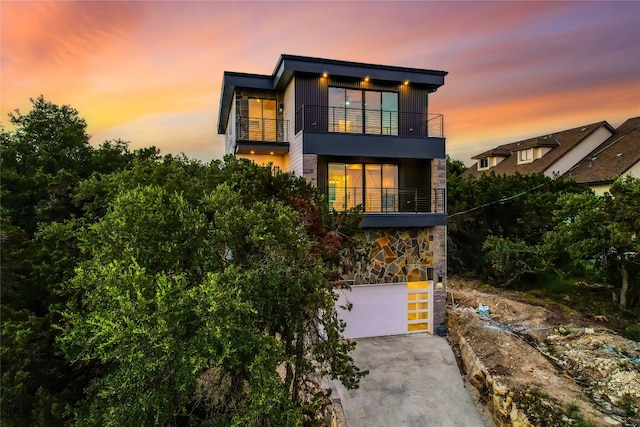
{"points": [[599, 235], [515, 207], [508, 261], [454, 168], [43, 158], [207, 305]]}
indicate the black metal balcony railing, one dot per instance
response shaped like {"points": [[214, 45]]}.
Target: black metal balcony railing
{"points": [[262, 130], [314, 118], [388, 200]]}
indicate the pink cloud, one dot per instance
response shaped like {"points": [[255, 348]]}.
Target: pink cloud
{"points": [[137, 67]]}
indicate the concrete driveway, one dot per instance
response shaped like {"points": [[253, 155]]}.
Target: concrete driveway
{"points": [[413, 381]]}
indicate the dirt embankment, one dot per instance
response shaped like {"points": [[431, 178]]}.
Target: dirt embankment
{"points": [[543, 365]]}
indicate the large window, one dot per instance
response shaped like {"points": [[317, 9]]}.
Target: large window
{"points": [[262, 119], [345, 185], [374, 185], [363, 111], [381, 188]]}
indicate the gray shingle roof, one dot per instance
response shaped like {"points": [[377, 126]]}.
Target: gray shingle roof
{"points": [[613, 157], [560, 142]]}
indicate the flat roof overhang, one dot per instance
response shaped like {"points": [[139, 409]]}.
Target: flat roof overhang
{"points": [[288, 65], [231, 81], [346, 144], [402, 219]]}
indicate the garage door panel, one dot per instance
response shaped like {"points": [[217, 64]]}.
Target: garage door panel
{"points": [[386, 309]]}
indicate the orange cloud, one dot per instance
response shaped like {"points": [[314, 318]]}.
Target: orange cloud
{"points": [[150, 72]]}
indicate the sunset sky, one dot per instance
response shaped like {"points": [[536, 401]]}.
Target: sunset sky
{"points": [[150, 72]]}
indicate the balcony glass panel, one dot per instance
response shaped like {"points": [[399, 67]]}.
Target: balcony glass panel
{"points": [[360, 111], [353, 117], [345, 186], [373, 192], [381, 188], [373, 112], [262, 120], [389, 113]]}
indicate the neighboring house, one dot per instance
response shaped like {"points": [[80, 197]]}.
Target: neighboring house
{"points": [[552, 154], [363, 134], [618, 155]]}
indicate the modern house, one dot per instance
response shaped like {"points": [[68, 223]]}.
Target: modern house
{"points": [[552, 154], [619, 155], [364, 135]]}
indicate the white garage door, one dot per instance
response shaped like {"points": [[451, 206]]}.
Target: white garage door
{"points": [[387, 309]]}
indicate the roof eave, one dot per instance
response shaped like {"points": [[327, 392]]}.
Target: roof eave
{"points": [[231, 81], [288, 65]]}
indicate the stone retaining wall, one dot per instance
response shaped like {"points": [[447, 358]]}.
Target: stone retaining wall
{"points": [[499, 399]]}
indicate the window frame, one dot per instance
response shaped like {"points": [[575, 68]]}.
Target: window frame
{"points": [[525, 156], [389, 197], [261, 128], [362, 120]]}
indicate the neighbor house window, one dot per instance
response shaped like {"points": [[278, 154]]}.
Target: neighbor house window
{"points": [[353, 184], [363, 111], [262, 119], [483, 164], [525, 156]]}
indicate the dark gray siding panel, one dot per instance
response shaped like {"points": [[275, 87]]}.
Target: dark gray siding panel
{"points": [[415, 174], [413, 107], [375, 220], [361, 84], [344, 144], [311, 90]]}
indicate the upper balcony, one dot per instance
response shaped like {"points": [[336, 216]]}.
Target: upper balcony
{"points": [[261, 136], [314, 118], [342, 131]]}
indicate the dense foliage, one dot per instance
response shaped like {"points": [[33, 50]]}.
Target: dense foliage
{"points": [[513, 230], [42, 161], [148, 290], [598, 235], [516, 207]]}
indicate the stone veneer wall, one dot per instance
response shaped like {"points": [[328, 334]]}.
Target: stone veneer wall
{"points": [[399, 255], [439, 180], [396, 255], [439, 312], [310, 168]]}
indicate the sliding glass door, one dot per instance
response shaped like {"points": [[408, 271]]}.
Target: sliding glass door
{"points": [[363, 111], [262, 119], [345, 186], [349, 182]]}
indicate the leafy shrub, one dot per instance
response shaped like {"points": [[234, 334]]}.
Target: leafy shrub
{"points": [[633, 332]]}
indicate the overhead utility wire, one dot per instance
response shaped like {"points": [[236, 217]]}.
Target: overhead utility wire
{"points": [[505, 199]]}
